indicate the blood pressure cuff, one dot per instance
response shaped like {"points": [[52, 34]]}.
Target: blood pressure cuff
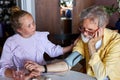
{"points": [[73, 58]]}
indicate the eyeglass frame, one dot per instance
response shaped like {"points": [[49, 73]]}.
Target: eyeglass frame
{"points": [[82, 30]]}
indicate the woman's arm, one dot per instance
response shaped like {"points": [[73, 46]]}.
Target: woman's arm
{"points": [[64, 65], [55, 67], [103, 67]]}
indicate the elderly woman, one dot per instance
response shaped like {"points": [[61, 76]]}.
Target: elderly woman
{"points": [[97, 44]]}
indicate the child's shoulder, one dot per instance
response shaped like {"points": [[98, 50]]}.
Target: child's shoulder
{"points": [[42, 33], [13, 37]]}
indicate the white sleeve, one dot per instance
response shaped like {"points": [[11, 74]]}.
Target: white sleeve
{"points": [[5, 61]]}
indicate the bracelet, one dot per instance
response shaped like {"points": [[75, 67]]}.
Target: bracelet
{"points": [[45, 67]]}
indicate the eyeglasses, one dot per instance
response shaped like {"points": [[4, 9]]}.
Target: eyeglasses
{"points": [[82, 30]]}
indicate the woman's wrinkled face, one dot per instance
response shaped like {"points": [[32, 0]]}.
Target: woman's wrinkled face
{"points": [[28, 26], [88, 29]]}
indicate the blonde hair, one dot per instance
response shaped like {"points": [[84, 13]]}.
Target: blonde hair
{"points": [[16, 14], [14, 9]]}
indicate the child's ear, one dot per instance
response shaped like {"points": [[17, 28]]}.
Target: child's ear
{"points": [[18, 30]]}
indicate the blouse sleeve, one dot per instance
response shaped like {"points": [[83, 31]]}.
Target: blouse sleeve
{"points": [[5, 61], [50, 48], [79, 47], [109, 65]]}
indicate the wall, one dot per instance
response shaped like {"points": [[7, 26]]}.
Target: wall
{"points": [[28, 5], [115, 16], [79, 5]]}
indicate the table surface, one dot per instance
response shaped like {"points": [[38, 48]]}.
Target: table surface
{"points": [[69, 75]]}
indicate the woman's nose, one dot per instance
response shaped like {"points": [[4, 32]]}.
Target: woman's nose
{"points": [[85, 33]]}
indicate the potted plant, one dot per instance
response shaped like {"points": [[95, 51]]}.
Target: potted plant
{"points": [[110, 9]]}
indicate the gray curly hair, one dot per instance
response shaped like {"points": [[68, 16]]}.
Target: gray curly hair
{"points": [[93, 13]]}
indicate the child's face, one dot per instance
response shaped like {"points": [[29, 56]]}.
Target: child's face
{"points": [[28, 27]]}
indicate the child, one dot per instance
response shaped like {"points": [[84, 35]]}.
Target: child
{"points": [[27, 44]]}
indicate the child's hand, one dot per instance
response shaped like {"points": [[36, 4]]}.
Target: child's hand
{"points": [[31, 75], [18, 75], [32, 66]]}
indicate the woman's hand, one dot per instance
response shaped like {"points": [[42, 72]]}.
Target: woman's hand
{"points": [[91, 44], [32, 74]]}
